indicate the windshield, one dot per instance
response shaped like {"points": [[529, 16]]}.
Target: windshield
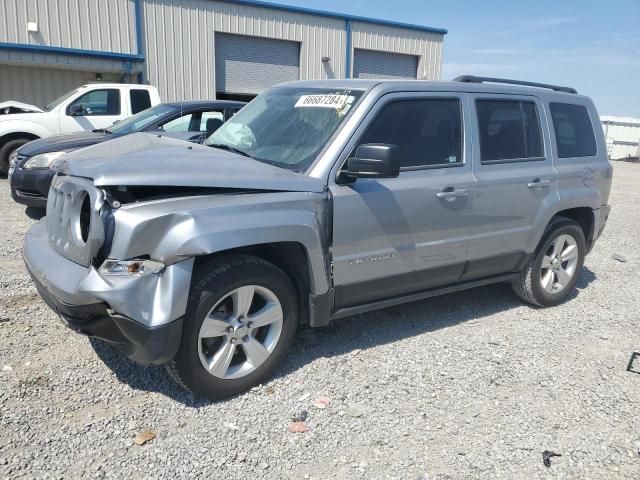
{"points": [[140, 120], [61, 99], [287, 126]]}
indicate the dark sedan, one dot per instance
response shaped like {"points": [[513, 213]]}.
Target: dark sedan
{"points": [[29, 172]]}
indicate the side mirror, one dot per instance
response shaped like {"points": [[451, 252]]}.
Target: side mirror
{"points": [[374, 160], [76, 110]]}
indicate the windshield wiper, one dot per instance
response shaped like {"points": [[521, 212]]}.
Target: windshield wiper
{"points": [[228, 148], [101, 130]]}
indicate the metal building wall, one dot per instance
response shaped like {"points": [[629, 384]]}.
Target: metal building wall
{"points": [[180, 42], [99, 25], [319, 36], [622, 135], [40, 86], [178, 39], [427, 46], [35, 70]]}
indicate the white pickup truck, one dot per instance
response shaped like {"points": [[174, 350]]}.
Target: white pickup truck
{"points": [[89, 107]]}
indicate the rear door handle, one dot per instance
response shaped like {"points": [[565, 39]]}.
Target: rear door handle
{"points": [[537, 183], [452, 194]]}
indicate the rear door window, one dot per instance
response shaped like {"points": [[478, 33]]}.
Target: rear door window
{"points": [[140, 100], [573, 129], [509, 130]]}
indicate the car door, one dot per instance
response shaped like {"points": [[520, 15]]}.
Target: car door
{"points": [[516, 181], [99, 108], [397, 236]]}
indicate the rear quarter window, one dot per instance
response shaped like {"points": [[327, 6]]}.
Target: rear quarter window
{"points": [[573, 130], [140, 100]]}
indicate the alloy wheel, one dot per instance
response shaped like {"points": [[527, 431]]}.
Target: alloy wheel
{"points": [[240, 332], [559, 264]]}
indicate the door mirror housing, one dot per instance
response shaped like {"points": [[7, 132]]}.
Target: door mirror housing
{"points": [[373, 160], [76, 110]]}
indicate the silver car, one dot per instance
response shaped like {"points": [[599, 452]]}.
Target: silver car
{"points": [[319, 200]]}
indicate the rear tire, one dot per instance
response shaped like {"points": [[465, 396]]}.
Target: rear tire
{"points": [[551, 274], [7, 150], [251, 312]]}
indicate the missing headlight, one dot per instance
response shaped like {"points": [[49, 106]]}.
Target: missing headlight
{"points": [[85, 218]]}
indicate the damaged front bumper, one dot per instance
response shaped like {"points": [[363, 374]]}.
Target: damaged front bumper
{"points": [[139, 315]]}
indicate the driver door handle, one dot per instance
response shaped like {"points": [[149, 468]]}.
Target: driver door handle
{"points": [[452, 194], [537, 183]]}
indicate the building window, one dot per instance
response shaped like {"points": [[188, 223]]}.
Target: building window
{"points": [[509, 130]]}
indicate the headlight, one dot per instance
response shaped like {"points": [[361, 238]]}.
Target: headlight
{"points": [[137, 268], [43, 160]]}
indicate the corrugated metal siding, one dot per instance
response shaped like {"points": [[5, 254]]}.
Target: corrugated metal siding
{"points": [[179, 48], [39, 86], [623, 136], [372, 64], [252, 64], [427, 46], [105, 25], [179, 42]]}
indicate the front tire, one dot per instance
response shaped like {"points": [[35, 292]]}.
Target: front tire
{"points": [[551, 274], [7, 150], [241, 320]]}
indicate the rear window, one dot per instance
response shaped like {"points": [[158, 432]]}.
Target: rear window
{"points": [[140, 100], [573, 129], [509, 130]]}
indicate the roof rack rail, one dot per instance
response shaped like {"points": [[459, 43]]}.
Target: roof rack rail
{"points": [[474, 79]]}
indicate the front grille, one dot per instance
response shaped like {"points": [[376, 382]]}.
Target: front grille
{"points": [[74, 225]]}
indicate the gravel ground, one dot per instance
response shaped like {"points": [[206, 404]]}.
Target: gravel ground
{"points": [[474, 384]]}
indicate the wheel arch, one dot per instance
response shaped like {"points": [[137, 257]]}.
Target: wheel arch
{"points": [[584, 217], [13, 129], [8, 137], [290, 257]]}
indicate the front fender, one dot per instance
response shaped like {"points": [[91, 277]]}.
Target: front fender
{"points": [[173, 230], [9, 126]]}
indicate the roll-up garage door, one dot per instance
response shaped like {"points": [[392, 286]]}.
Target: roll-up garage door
{"points": [[249, 65], [372, 64]]}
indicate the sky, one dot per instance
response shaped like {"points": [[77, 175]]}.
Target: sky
{"points": [[593, 46]]}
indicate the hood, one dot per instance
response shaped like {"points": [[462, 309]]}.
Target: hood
{"points": [[59, 143], [12, 106], [143, 159]]}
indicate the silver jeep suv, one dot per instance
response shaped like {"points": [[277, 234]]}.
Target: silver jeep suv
{"points": [[319, 200]]}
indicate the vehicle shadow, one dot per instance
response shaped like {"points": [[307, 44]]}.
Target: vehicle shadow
{"points": [[358, 332]]}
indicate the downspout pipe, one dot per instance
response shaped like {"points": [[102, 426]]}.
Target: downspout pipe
{"points": [[139, 17], [347, 27]]}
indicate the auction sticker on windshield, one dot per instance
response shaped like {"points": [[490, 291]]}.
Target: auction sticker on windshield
{"points": [[323, 101]]}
